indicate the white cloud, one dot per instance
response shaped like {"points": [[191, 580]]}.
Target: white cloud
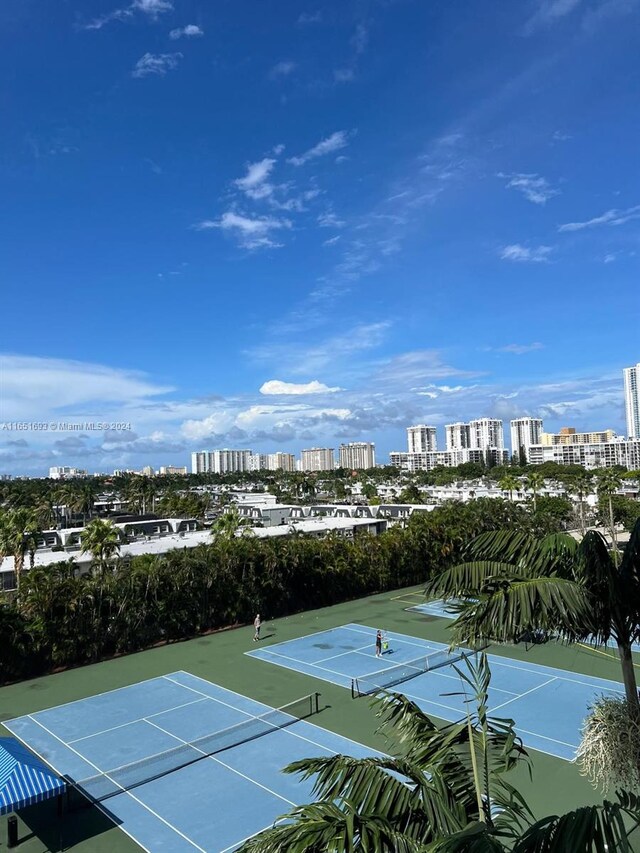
{"points": [[337, 140], [156, 63], [611, 217], [548, 13], [330, 220], [310, 18], [344, 75], [534, 188], [276, 386], [151, 8], [250, 233], [518, 349], [282, 69], [190, 31], [516, 252], [331, 241], [254, 184]]}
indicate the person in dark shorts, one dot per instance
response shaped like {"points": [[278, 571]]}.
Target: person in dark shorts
{"points": [[379, 644], [256, 624]]}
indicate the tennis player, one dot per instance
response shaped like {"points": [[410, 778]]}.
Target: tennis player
{"points": [[256, 624], [378, 644]]}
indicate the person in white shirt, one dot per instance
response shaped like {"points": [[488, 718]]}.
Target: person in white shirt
{"points": [[256, 624]]}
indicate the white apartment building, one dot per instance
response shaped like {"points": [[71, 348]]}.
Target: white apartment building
{"points": [[486, 433], [281, 462], [179, 470], [568, 435], [524, 433], [413, 462], [457, 436], [421, 438], [603, 454], [220, 461], [317, 459], [632, 400], [64, 472], [357, 454], [258, 462]]}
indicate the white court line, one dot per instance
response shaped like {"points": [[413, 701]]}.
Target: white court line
{"points": [[302, 637], [219, 761], [124, 791], [526, 693], [269, 707], [84, 698], [315, 666], [331, 657], [137, 720]]}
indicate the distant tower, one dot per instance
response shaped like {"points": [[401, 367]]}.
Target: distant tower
{"points": [[524, 433], [632, 399], [421, 438]]}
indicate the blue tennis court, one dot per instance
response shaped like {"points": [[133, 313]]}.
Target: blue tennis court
{"points": [[439, 608], [547, 704], [211, 804]]}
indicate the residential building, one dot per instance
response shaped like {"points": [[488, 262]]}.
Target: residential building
{"points": [[399, 458], [568, 435], [258, 462], [65, 472], [147, 471], [486, 433], [421, 438], [281, 462], [632, 400], [357, 454], [457, 436], [524, 433], [448, 458], [176, 470], [317, 459], [220, 461], [602, 454]]}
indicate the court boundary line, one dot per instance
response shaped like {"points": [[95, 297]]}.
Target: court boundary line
{"points": [[526, 693], [341, 654], [132, 722], [123, 791], [205, 756]]}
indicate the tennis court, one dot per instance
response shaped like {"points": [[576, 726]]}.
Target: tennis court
{"points": [[547, 704], [121, 749]]}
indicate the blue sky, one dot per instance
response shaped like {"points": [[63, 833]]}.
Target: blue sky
{"points": [[277, 224]]}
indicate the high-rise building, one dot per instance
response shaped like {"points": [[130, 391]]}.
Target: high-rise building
{"points": [[317, 459], [457, 436], [258, 462], [220, 461], [632, 400], [524, 433], [166, 470], [601, 454], [568, 435], [358, 454], [281, 462], [486, 433], [64, 472], [421, 438]]}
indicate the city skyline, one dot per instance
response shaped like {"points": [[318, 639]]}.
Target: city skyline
{"points": [[295, 225]]}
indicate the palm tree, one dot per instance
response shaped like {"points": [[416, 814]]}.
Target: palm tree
{"points": [[102, 540], [442, 789], [18, 534], [513, 584], [582, 486], [226, 525], [534, 482], [509, 483], [609, 482]]}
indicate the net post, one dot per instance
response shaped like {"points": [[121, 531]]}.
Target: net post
{"points": [[316, 697]]}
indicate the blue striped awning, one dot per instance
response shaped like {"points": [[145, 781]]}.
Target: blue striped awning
{"points": [[24, 779]]}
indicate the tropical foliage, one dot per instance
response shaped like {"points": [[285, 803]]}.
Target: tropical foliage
{"points": [[440, 790], [610, 750]]}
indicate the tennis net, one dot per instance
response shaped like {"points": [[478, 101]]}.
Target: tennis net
{"points": [[100, 787], [374, 682]]}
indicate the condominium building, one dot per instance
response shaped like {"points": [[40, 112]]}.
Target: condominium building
{"points": [[632, 400], [486, 433], [421, 438], [220, 461], [357, 454], [175, 470], [64, 472], [317, 459], [602, 454], [524, 433], [281, 462], [457, 436], [257, 462], [147, 471], [568, 435], [447, 458]]}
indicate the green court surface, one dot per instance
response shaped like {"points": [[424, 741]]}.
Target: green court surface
{"points": [[557, 785]]}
